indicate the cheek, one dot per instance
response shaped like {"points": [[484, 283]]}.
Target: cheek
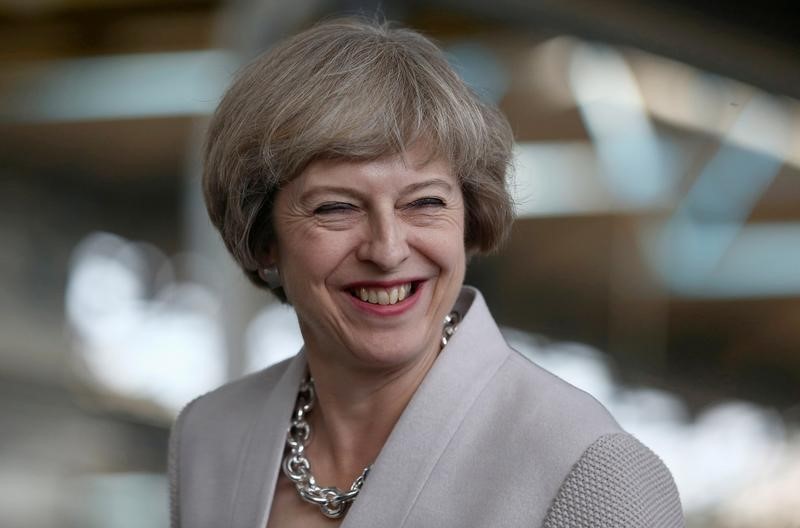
{"points": [[454, 245], [313, 259], [446, 250]]}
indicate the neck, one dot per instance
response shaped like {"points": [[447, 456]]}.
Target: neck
{"points": [[356, 411]]}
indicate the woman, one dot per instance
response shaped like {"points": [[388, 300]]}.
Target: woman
{"points": [[350, 171]]}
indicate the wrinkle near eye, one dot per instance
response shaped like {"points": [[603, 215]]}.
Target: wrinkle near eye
{"points": [[336, 222]]}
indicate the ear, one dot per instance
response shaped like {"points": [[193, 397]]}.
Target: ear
{"points": [[268, 256]]}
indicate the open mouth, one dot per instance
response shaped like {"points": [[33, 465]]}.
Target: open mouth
{"points": [[385, 296]]}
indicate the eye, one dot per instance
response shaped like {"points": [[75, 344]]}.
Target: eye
{"points": [[428, 201], [333, 207]]}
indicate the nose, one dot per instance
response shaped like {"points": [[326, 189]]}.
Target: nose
{"points": [[385, 242]]}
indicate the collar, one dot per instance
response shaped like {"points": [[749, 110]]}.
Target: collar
{"points": [[432, 417]]}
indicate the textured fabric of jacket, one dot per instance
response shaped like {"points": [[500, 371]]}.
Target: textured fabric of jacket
{"points": [[489, 439]]}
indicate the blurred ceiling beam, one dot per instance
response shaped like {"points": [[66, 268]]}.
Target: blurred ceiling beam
{"points": [[112, 28], [116, 87], [753, 42], [39, 8], [764, 54]]}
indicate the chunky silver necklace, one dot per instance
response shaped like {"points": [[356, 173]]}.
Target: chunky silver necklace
{"points": [[332, 501]]}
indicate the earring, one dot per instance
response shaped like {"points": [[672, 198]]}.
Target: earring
{"points": [[271, 276]]}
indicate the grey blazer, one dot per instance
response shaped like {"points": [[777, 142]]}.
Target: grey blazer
{"points": [[488, 439]]}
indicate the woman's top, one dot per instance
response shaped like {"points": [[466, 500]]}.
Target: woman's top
{"points": [[488, 439]]}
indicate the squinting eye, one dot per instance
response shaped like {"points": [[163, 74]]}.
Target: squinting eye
{"points": [[427, 202], [335, 207]]}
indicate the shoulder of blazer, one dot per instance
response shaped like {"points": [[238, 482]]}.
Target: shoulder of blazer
{"points": [[614, 480], [564, 401], [617, 482], [213, 410]]}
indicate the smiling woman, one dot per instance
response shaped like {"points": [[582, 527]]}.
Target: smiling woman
{"points": [[352, 173]]}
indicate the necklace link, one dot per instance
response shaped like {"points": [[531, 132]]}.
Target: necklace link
{"points": [[332, 501]]}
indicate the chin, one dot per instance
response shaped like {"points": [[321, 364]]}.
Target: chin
{"points": [[386, 352]]}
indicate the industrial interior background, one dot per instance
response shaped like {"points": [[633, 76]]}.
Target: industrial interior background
{"points": [[656, 251]]}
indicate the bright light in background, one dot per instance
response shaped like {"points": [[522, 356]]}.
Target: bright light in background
{"points": [[764, 259], [757, 260], [121, 500], [771, 501], [166, 346], [272, 336], [558, 179], [566, 178], [614, 115]]}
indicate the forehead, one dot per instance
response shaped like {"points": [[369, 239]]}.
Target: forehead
{"points": [[386, 173]]}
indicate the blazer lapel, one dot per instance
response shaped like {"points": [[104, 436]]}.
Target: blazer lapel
{"points": [[431, 418], [258, 472]]}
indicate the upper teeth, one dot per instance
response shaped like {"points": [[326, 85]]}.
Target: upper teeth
{"points": [[384, 295]]}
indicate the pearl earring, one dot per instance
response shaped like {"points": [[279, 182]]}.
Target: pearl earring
{"points": [[271, 276]]}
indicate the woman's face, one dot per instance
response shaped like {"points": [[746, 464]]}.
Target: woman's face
{"points": [[371, 255]]}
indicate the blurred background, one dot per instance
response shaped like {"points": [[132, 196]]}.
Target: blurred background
{"points": [[655, 261]]}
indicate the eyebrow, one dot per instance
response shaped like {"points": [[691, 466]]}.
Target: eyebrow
{"points": [[356, 193], [435, 182]]}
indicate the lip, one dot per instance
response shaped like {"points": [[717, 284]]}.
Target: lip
{"points": [[382, 284], [386, 309]]}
